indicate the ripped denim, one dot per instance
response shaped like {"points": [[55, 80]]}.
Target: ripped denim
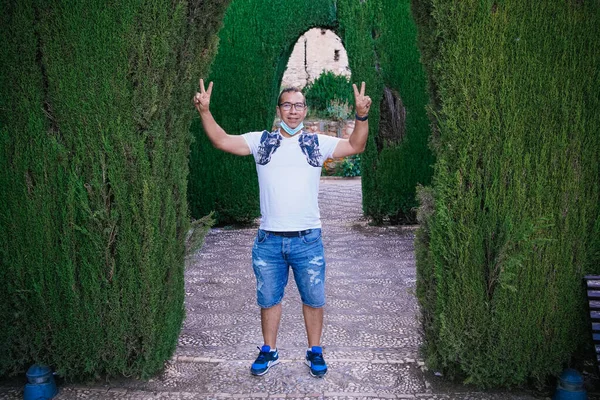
{"points": [[274, 255]]}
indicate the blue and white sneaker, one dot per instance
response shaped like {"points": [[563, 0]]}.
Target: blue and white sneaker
{"points": [[315, 361], [265, 360]]}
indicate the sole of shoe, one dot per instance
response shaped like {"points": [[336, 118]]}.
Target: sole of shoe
{"points": [[271, 363], [310, 370]]}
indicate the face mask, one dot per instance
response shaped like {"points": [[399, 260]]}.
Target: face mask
{"points": [[291, 131]]}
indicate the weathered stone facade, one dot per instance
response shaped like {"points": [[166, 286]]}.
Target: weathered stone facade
{"points": [[316, 51]]}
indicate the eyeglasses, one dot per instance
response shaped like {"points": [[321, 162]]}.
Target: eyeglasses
{"points": [[288, 106]]}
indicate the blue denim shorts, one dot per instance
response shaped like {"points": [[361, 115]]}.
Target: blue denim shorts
{"points": [[272, 257]]}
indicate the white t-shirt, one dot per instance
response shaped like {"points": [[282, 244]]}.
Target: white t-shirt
{"points": [[288, 171]]}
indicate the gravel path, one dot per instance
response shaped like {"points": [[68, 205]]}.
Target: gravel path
{"points": [[371, 336]]}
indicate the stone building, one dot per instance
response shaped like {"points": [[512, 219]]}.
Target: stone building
{"points": [[316, 51]]}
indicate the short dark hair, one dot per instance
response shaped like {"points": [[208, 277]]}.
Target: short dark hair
{"points": [[290, 89]]}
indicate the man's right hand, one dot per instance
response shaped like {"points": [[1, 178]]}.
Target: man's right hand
{"points": [[234, 144], [202, 98]]}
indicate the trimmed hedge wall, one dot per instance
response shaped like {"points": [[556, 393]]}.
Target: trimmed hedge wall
{"points": [[380, 38], [94, 116], [511, 223]]}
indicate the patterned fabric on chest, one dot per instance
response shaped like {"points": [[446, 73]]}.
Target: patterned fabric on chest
{"points": [[270, 142]]}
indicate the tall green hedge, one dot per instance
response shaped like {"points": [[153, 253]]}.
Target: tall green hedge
{"points": [[255, 44], [94, 115], [380, 38], [511, 222]]}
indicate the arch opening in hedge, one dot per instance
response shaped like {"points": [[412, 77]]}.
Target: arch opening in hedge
{"points": [[316, 52], [380, 39]]}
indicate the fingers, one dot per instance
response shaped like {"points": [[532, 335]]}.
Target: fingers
{"points": [[362, 89], [207, 91]]}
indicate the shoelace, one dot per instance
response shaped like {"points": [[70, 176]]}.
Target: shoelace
{"points": [[317, 358], [261, 356]]}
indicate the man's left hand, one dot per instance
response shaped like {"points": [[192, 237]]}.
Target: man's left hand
{"points": [[363, 103]]}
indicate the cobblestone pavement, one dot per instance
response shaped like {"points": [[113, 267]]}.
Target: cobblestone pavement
{"points": [[371, 336]]}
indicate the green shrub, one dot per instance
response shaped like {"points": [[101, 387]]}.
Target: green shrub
{"points": [[350, 166], [198, 230], [510, 225], [330, 96], [336, 110], [94, 117]]}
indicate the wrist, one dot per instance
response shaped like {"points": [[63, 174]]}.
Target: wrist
{"points": [[363, 118]]}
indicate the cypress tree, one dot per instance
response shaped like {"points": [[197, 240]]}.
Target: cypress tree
{"points": [[380, 38], [94, 115], [510, 224]]}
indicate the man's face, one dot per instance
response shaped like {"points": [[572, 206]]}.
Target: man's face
{"points": [[292, 117]]}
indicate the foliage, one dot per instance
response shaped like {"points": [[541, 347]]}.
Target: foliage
{"points": [[198, 230], [338, 111], [330, 96], [94, 117], [380, 39], [510, 224], [350, 166]]}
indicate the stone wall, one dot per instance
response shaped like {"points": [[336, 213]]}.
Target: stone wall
{"points": [[341, 129]]}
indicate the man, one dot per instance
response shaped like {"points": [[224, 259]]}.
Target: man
{"points": [[288, 163]]}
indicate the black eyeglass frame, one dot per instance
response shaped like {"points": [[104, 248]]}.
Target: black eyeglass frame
{"points": [[288, 106]]}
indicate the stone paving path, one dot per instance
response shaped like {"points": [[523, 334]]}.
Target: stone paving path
{"points": [[371, 336]]}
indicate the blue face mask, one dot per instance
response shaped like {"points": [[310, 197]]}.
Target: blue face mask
{"points": [[291, 131]]}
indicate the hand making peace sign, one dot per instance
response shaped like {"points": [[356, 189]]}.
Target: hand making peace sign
{"points": [[363, 103], [202, 98]]}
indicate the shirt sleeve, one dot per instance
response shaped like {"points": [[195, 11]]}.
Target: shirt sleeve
{"points": [[327, 145], [253, 141]]}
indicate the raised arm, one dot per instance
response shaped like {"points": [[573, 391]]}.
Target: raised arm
{"points": [[358, 140], [233, 144]]}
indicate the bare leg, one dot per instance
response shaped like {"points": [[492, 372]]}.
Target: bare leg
{"points": [[270, 318], [313, 319]]}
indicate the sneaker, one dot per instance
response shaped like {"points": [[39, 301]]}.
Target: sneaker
{"points": [[315, 361], [265, 360]]}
